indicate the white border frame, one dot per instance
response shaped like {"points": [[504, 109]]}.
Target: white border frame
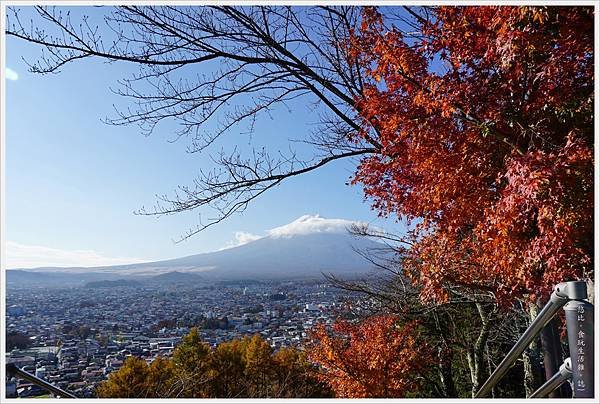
{"points": [[6, 3]]}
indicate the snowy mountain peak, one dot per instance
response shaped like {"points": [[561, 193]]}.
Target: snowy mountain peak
{"points": [[310, 224]]}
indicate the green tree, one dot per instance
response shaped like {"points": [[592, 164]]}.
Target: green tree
{"points": [[161, 378], [295, 376], [259, 371], [17, 340], [128, 382], [191, 360], [228, 364]]}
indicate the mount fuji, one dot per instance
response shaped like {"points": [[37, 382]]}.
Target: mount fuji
{"points": [[304, 248]]}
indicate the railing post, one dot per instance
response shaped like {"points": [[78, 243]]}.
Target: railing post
{"points": [[579, 316], [552, 354]]}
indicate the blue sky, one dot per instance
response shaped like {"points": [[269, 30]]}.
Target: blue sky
{"points": [[73, 182]]}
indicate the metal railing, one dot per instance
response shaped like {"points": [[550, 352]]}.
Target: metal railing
{"points": [[579, 316], [14, 370]]}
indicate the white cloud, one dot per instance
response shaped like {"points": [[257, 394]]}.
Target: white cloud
{"points": [[33, 256], [309, 224], [10, 74], [241, 238]]}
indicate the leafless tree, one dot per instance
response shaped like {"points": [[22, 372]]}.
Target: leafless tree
{"points": [[259, 57], [467, 327]]}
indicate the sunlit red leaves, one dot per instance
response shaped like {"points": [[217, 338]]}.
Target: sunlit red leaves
{"points": [[374, 358], [486, 128], [546, 211]]}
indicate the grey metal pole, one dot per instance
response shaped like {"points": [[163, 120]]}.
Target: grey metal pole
{"points": [[564, 373], [553, 359], [12, 369], [579, 316], [550, 309]]}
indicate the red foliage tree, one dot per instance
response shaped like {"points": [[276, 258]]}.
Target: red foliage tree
{"points": [[486, 126], [374, 358]]}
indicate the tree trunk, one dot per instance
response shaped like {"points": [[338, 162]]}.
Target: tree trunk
{"points": [[475, 356], [445, 371], [489, 368], [533, 373], [445, 356]]}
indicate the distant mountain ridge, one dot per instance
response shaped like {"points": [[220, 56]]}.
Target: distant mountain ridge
{"points": [[271, 257], [112, 284]]}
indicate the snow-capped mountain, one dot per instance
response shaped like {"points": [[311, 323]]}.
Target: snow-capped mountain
{"points": [[307, 247]]}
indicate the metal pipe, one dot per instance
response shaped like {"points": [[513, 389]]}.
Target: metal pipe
{"points": [[553, 358], [579, 316], [550, 309], [14, 370], [564, 373]]}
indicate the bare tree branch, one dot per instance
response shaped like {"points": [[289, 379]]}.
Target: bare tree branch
{"points": [[253, 58]]}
